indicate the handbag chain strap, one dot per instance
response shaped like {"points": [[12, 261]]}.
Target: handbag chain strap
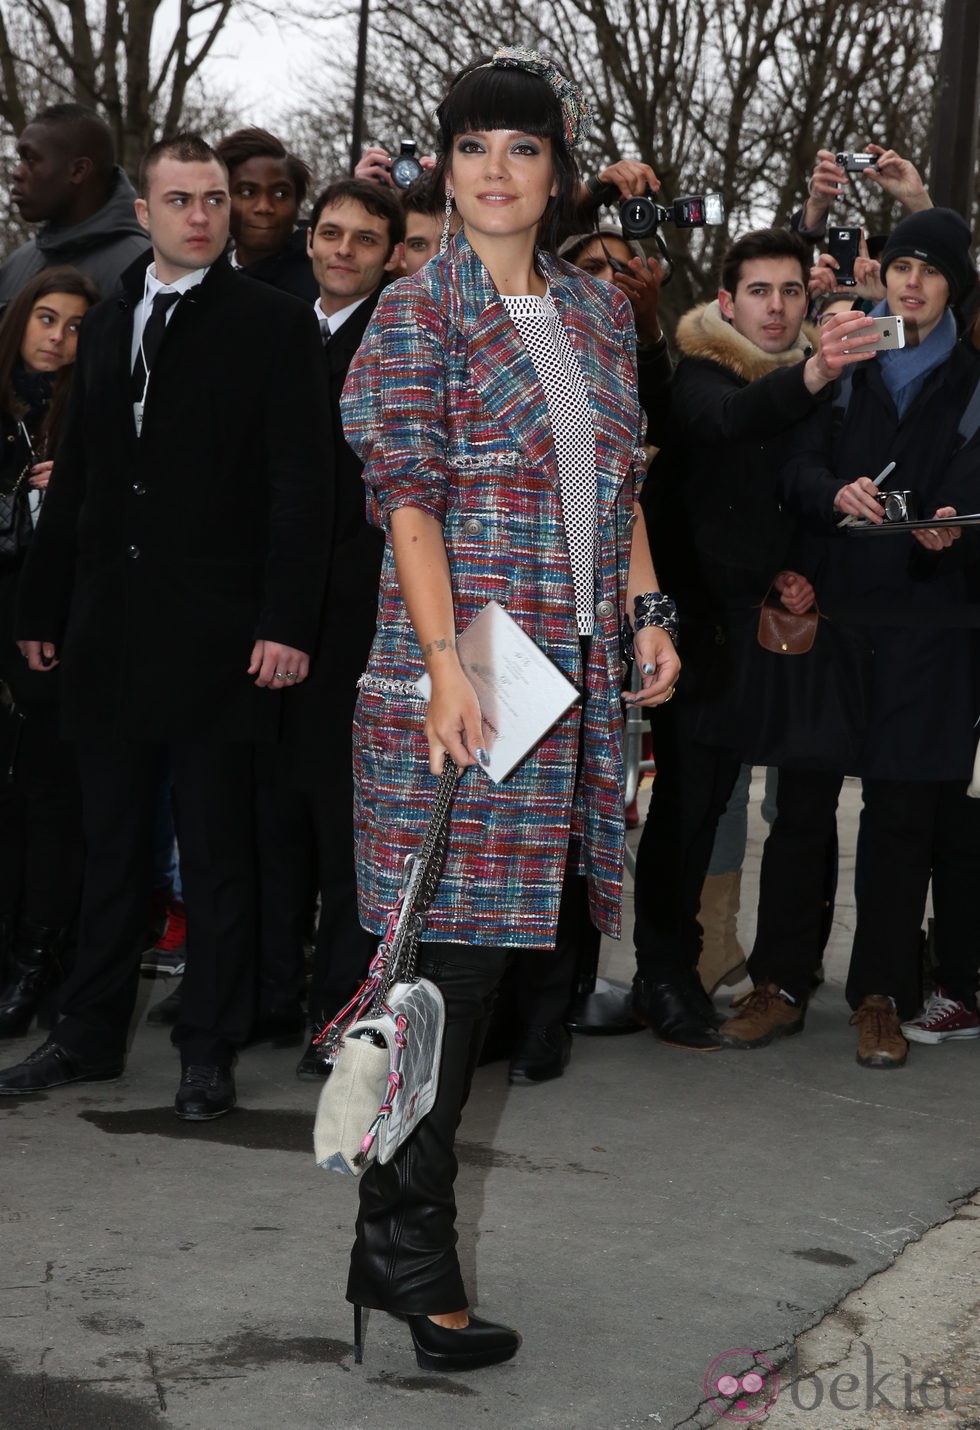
{"points": [[419, 884], [17, 484]]}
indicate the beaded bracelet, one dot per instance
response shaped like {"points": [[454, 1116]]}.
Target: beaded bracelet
{"points": [[653, 608]]}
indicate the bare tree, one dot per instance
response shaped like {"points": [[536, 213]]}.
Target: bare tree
{"points": [[103, 56], [714, 95]]}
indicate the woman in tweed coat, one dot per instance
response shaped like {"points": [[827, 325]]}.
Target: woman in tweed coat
{"points": [[446, 408]]}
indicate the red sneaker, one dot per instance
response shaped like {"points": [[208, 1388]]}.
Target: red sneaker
{"points": [[169, 955], [943, 1018]]}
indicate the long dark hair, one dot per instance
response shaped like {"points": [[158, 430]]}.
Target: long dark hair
{"points": [[485, 96], [12, 326]]}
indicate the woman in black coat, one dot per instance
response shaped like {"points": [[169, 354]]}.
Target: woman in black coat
{"points": [[41, 849]]}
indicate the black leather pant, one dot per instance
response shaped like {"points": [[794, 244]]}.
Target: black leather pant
{"points": [[404, 1255]]}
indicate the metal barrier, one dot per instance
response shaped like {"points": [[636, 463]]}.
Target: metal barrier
{"points": [[634, 765]]}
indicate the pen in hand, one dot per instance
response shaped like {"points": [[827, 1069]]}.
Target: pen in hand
{"points": [[853, 520]]}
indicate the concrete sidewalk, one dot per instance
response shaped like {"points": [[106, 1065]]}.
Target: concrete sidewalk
{"points": [[638, 1220]]}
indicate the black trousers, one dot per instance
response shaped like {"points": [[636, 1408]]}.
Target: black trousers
{"points": [[794, 881], [214, 806], [404, 1254], [306, 841], [693, 785], [915, 830], [42, 848]]}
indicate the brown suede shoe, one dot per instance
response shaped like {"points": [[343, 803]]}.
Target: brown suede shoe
{"points": [[880, 1041], [763, 1014]]}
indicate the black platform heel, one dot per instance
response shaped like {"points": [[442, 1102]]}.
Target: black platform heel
{"points": [[479, 1344], [358, 1337]]}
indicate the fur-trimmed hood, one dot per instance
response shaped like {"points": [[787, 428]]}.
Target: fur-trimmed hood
{"points": [[704, 333]]}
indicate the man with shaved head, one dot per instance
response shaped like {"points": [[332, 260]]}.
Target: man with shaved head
{"points": [[66, 181]]}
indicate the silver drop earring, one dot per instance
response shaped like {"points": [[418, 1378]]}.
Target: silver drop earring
{"points": [[444, 240]]}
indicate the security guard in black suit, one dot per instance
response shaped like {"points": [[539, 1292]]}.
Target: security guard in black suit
{"points": [[177, 575]]}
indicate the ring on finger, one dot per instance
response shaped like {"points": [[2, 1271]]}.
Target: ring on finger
{"points": [[280, 675], [290, 675], [669, 695]]}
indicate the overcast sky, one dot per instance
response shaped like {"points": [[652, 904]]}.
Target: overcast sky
{"points": [[264, 62]]}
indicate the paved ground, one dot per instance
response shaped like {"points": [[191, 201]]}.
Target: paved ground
{"points": [[639, 1220]]}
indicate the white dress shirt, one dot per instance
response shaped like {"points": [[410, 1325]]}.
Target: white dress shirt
{"points": [[335, 321]]}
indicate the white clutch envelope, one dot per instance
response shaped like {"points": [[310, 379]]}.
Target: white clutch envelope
{"points": [[521, 692]]}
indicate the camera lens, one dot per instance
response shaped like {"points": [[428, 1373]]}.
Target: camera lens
{"points": [[404, 171], [638, 216]]}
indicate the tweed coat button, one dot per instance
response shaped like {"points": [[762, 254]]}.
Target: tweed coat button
{"points": [[133, 552], [139, 489], [472, 527], [605, 608], [631, 522]]}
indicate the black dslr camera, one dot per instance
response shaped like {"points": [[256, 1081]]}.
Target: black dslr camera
{"points": [[641, 215], [405, 169]]}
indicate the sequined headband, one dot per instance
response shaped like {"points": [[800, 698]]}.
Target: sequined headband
{"points": [[575, 111]]}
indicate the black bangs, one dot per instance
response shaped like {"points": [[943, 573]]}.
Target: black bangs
{"points": [[489, 97]]}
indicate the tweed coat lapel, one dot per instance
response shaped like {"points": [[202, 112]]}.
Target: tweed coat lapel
{"points": [[499, 366], [507, 381]]}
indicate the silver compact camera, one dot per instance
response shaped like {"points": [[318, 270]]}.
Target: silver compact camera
{"points": [[855, 163], [898, 506]]}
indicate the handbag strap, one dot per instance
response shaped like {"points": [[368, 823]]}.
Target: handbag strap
{"points": [[420, 881], [777, 605], [18, 483]]}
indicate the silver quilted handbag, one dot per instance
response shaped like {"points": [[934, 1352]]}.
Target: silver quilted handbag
{"points": [[386, 1044]]}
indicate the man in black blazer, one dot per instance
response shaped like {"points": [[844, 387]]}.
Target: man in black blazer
{"points": [[307, 795], [177, 575]]}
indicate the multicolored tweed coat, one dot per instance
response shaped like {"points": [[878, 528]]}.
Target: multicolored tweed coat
{"points": [[444, 406]]}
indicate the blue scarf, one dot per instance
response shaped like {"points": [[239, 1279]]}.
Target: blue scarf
{"points": [[904, 370]]}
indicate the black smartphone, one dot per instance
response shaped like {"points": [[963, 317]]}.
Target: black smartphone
{"points": [[843, 244]]}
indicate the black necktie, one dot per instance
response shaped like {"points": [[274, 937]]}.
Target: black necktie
{"points": [[153, 331], [324, 331]]}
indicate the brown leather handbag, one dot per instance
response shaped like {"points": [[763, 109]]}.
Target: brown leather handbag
{"points": [[782, 632]]}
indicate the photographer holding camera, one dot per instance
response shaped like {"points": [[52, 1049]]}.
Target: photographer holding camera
{"points": [[829, 182]]}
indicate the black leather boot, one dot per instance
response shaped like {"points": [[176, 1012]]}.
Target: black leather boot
{"points": [[677, 1012], [33, 965], [404, 1256]]}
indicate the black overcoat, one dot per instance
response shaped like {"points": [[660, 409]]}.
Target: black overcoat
{"points": [[317, 728], [913, 608], [160, 559]]}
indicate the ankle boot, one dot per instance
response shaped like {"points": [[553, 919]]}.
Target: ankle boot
{"points": [[34, 964], [721, 952]]}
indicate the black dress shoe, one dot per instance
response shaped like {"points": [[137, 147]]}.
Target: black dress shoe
{"points": [[167, 1011], [676, 1014], [204, 1092], [542, 1054], [313, 1066], [51, 1065], [479, 1344]]}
